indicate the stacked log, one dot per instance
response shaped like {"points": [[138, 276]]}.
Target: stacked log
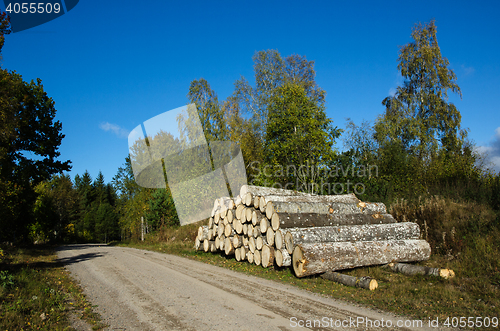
{"points": [[315, 234]]}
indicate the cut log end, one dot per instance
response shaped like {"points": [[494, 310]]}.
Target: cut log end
{"points": [[298, 262]]}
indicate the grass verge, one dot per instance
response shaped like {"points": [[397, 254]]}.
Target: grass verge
{"points": [[37, 293]]}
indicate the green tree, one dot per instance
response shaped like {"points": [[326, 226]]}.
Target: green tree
{"points": [[299, 138], [419, 116], [4, 29], [29, 142]]}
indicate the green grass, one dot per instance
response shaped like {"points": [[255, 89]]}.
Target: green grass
{"points": [[471, 248], [37, 293]]}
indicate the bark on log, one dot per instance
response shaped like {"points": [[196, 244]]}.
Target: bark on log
{"points": [[267, 256], [307, 220], [368, 232], [263, 191], [257, 258], [282, 258], [310, 259], [410, 269], [362, 282], [324, 208], [237, 241], [270, 236]]}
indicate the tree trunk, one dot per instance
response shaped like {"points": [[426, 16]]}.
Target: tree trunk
{"points": [[282, 258], [368, 232], [310, 259], [363, 282], [410, 269], [267, 256], [308, 220]]}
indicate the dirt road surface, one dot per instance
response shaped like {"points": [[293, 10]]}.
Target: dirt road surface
{"points": [[142, 290]]}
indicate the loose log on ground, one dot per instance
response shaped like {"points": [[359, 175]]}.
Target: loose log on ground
{"points": [[310, 259], [282, 258], [307, 220], [368, 232], [410, 269], [267, 256], [362, 282]]}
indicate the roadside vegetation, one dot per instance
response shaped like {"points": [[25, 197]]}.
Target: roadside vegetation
{"points": [[37, 293]]}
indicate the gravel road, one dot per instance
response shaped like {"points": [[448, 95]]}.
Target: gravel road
{"points": [[142, 290]]}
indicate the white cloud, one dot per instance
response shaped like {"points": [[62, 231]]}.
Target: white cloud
{"points": [[116, 129], [468, 70], [492, 152], [392, 91]]}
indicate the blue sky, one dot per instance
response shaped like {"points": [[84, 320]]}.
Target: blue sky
{"points": [[111, 65]]}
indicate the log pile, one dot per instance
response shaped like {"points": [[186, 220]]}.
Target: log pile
{"points": [[314, 234]]}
